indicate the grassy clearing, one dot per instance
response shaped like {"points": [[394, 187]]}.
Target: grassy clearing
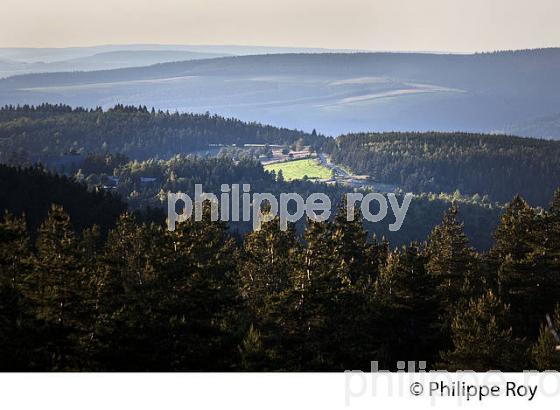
{"points": [[297, 169]]}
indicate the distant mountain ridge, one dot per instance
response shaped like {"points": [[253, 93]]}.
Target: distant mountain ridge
{"points": [[102, 61], [16, 61], [335, 93], [543, 127]]}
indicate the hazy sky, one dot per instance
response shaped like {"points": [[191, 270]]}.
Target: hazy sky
{"points": [[444, 25]]}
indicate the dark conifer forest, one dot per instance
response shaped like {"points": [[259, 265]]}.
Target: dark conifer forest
{"points": [[198, 299], [46, 131], [499, 166], [496, 166], [92, 280]]}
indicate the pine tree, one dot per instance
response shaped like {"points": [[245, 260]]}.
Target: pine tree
{"points": [[270, 285], [319, 258], [126, 324], [546, 258], [60, 289], [451, 261], [254, 356], [551, 243], [516, 233], [200, 297], [312, 297], [483, 339], [343, 289], [522, 275], [353, 261], [545, 353], [269, 258], [15, 252], [16, 322], [410, 306]]}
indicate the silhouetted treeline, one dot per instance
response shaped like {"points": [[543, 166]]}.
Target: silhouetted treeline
{"points": [[330, 300], [496, 165], [31, 191]]}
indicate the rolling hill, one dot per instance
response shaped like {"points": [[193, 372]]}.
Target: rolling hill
{"points": [[543, 127], [332, 92], [18, 61]]}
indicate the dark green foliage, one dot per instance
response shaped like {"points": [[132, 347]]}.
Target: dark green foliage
{"points": [[60, 290], [254, 356], [526, 273], [546, 351], [194, 299], [350, 247], [452, 262], [49, 133], [93, 145], [166, 299], [483, 339], [499, 166], [181, 173], [31, 191], [411, 307], [16, 322], [65, 138], [78, 292]]}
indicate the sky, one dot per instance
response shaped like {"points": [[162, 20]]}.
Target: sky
{"points": [[391, 25]]}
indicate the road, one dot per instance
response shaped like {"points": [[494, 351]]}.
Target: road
{"points": [[338, 171], [344, 177]]}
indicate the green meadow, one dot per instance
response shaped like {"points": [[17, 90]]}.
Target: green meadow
{"points": [[300, 168]]}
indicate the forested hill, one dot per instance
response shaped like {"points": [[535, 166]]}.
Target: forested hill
{"points": [[54, 130], [499, 166], [452, 70], [496, 165], [32, 191], [195, 299]]}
